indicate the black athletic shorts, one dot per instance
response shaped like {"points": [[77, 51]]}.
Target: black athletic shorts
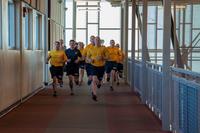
{"points": [[56, 72], [110, 65], [72, 69], [98, 71]]}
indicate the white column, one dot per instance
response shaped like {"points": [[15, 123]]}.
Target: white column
{"points": [[74, 21], [133, 44], [144, 51], [125, 38], [166, 97], [121, 25], [46, 43]]}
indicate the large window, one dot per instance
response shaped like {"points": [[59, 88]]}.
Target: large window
{"points": [[38, 32], [11, 25], [28, 29], [93, 18]]}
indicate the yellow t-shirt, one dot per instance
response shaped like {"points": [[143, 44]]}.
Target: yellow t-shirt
{"points": [[121, 57], [57, 57], [85, 51], [98, 55], [113, 53], [81, 50]]}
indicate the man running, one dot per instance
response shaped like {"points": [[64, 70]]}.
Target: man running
{"points": [[81, 63], [72, 66], [119, 64], [87, 63], [111, 64], [97, 56], [57, 59]]}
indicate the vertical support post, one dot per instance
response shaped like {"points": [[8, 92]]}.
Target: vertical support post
{"points": [[125, 38], [74, 21], [133, 45], [144, 51], [64, 31], [86, 24], [121, 26], [166, 116], [46, 77]]}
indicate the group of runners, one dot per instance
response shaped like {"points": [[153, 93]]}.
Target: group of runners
{"points": [[100, 62]]}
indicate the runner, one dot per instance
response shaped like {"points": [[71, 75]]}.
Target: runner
{"points": [[57, 59], [97, 56], [72, 66], [81, 63]]}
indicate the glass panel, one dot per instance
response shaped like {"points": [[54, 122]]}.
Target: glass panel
{"points": [[92, 30], [37, 32], [68, 37], [81, 36], [151, 14], [107, 35], [92, 16], [188, 11], [160, 39], [196, 62], [196, 16], [81, 19], [151, 36], [11, 24], [92, 3], [26, 31], [160, 17], [105, 16], [130, 17], [196, 38], [129, 39], [69, 12], [81, 3], [188, 30]]}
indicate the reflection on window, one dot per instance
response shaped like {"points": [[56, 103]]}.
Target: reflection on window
{"points": [[11, 24], [27, 31], [37, 32]]}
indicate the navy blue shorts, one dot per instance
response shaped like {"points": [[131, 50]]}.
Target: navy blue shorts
{"points": [[88, 69], [98, 71], [72, 69], [119, 67], [82, 64], [56, 72], [110, 65]]}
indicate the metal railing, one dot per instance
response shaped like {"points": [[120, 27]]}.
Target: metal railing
{"points": [[185, 93]]}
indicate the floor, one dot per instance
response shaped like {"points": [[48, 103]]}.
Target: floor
{"points": [[119, 111]]}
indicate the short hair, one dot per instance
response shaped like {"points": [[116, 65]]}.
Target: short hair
{"points": [[57, 42], [72, 41]]}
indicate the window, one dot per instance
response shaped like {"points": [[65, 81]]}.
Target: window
{"points": [[37, 32], [27, 30], [11, 24]]}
